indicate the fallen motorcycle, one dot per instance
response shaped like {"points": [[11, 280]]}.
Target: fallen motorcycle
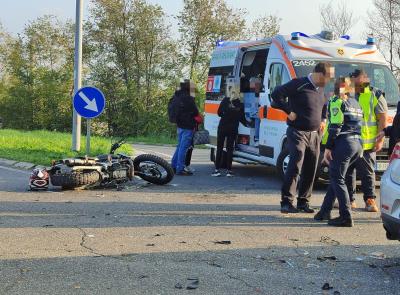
{"points": [[109, 170]]}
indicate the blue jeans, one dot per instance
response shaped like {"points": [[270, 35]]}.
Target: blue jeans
{"points": [[345, 153], [185, 137]]}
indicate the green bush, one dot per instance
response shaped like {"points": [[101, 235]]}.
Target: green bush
{"points": [[41, 147]]}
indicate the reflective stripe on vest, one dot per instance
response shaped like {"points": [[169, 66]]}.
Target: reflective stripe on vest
{"points": [[335, 115], [369, 129]]}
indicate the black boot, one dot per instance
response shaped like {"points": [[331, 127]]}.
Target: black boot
{"points": [[305, 208], [322, 216], [341, 221], [288, 208]]}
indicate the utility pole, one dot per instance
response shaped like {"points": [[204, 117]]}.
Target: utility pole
{"points": [[76, 121]]}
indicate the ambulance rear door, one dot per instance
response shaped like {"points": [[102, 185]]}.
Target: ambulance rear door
{"points": [[273, 121]]}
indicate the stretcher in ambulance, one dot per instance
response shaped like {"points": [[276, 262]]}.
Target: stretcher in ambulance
{"points": [[251, 70]]}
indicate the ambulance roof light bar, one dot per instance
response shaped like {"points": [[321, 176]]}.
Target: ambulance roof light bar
{"points": [[219, 43], [370, 40], [297, 35], [328, 35]]}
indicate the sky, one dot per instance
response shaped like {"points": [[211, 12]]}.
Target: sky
{"points": [[296, 15]]}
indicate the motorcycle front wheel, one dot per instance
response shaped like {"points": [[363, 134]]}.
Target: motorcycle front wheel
{"points": [[153, 169]]}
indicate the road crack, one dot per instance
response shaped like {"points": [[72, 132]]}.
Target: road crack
{"points": [[248, 285], [83, 244]]}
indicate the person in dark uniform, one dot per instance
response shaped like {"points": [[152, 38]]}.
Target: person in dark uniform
{"points": [[231, 113], [342, 150], [306, 109]]}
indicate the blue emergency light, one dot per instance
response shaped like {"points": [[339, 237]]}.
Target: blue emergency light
{"points": [[347, 37], [297, 35], [371, 41], [219, 43]]}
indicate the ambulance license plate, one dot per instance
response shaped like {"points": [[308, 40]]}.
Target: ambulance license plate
{"points": [[381, 166]]}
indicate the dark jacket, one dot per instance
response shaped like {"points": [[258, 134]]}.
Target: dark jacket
{"points": [[351, 124], [301, 97], [393, 132], [187, 111], [231, 113]]}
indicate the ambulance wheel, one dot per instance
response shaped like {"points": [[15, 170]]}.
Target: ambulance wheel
{"points": [[282, 163]]}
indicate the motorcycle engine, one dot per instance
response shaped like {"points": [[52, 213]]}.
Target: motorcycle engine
{"points": [[120, 172]]}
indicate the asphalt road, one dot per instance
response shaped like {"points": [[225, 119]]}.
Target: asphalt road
{"points": [[146, 239]]}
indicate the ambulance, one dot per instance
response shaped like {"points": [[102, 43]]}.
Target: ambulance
{"points": [[251, 70]]}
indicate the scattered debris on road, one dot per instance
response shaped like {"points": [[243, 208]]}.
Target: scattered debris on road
{"points": [[223, 242], [326, 287], [193, 283], [377, 255], [324, 258], [329, 241]]}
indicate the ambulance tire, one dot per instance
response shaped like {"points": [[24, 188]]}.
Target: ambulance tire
{"points": [[213, 157], [282, 162]]}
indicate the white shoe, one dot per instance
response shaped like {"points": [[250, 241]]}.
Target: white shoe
{"points": [[216, 173], [189, 169], [230, 174]]}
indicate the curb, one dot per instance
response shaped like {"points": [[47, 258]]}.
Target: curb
{"points": [[16, 164]]}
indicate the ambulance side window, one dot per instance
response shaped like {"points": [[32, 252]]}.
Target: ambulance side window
{"points": [[253, 67], [216, 82], [278, 76]]}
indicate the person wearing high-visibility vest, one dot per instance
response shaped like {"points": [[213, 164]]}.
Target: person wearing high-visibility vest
{"points": [[343, 148], [374, 106]]}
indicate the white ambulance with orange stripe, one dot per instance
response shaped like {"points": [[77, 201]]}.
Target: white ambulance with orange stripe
{"points": [[254, 68]]}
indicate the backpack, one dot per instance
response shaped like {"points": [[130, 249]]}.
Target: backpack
{"points": [[173, 109]]}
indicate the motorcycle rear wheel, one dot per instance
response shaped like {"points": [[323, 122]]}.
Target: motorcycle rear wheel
{"points": [[153, 169], [75, 179]]}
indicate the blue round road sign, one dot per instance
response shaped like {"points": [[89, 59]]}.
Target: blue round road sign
{"points": [[89, 102]]}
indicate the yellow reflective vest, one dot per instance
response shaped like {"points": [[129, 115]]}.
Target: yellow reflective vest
{"points": [[369, 130]]}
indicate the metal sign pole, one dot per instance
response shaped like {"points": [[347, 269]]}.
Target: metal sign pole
{"points": [[88, 121], [76, 121]]}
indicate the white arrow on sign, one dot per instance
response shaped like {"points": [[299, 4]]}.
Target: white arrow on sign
{"points": [[91, 104]]}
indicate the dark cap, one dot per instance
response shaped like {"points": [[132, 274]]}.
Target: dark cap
{"points": [[357, 73]]}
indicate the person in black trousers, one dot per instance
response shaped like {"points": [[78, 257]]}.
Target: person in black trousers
{"points": [[231, 113], [304, 102], [342, 150]]}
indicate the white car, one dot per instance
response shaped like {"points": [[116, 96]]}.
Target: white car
{"points": [[390, 196]]}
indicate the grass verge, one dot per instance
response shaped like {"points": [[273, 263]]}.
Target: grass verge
{"points": [[40, 147]]}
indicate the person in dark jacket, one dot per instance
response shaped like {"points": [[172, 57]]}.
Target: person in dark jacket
{"points": [[393, 131], [342, 150], [185, 121], [231, 112], [304, 102]]}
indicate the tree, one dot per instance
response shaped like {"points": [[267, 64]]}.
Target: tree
{"points": [[339, 19], [384, 23], [38, 68], [201, 24], [263, 27], [133, 59]]}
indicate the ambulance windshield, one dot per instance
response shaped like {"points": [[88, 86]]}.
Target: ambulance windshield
{"points": [[380, 76]]}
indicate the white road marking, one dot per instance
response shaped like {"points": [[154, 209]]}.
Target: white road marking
{"points": [[15, 170], [153, 152]]}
